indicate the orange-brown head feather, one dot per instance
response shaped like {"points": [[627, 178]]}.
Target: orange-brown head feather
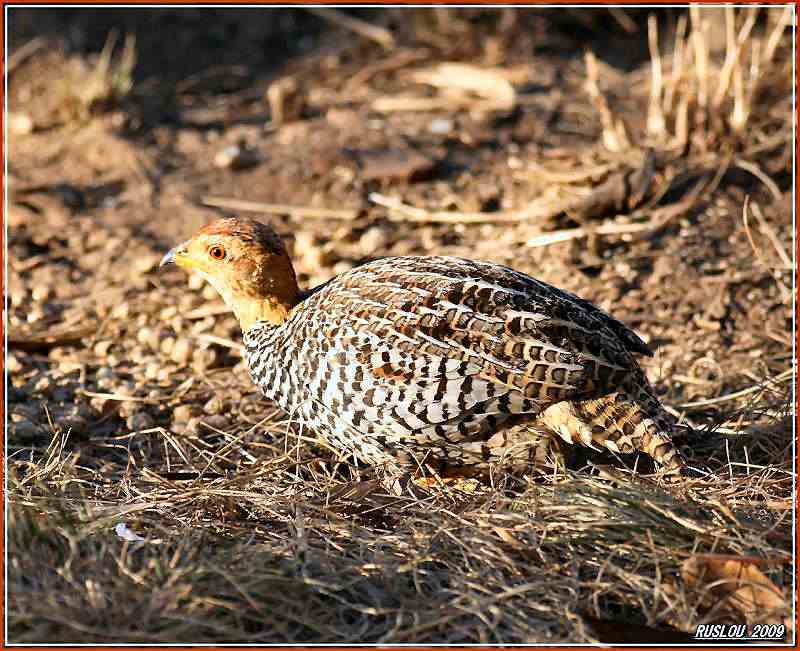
{"points": [[247, 264]]}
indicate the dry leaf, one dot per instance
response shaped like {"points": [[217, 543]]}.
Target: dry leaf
{"points": [[738, 582], [486, 83]]}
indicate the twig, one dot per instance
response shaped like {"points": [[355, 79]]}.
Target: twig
{"points": [[775, 36], [207, 310], [398, 60], [625, 21], [733, 50], [25, 52], [677, 63], [567, 234], [411, 213], [221, 341], [279, 208], [360, 27], [615, 137], [782, 377], [773, 237], [119, 397], [756, 171], [656, 125]]}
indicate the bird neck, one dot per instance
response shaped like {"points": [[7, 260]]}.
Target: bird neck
{"points": [[271, 310]]}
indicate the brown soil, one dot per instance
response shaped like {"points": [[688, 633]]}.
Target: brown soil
{"points": [[128, 402]]}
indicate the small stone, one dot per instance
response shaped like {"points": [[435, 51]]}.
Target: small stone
{"points": [[137, 354], [209, 293], [213, 406], [440, 126], [375, 239], [148, 337], [237, 157], [104, 373], [20, 124], [196, 282], [42, 293], [203, 359], [13, 364], [181, 351], [102, 348], [121, 311], [184, 413], [146, 262], [151, 371], [67, 366], [43, 385], [100, 404], [35, 314], [139, 421], [167, 343]]}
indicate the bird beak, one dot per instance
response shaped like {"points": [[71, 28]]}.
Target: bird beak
{"points": [[174, 256]]}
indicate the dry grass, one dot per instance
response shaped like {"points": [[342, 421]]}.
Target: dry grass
{"points": [[129, 403], [271, 549]]}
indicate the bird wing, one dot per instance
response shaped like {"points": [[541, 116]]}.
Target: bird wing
{"points": [[437, 339]]}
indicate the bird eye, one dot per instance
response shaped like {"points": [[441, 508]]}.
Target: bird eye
{"points": [[217, 252]]}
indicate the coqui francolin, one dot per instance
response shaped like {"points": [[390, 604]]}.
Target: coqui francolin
{"points": [[432, 362]]}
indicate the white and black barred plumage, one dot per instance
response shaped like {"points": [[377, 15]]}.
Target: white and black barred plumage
{"points": [[428, 358]]}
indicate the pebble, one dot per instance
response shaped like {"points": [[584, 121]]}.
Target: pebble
{"points": [[236, 157], [102, 348], [151, 371], [104, 373], [148, 337], [213, 406], [196, 282], [139, 421], [440, 126], [13, 364], [165, 374], [121, 311], [181, 352], [67, 366], [43, 385], [209, 293], [42, 293], [137, 354], [100, 404], [20, 124], [146, 262], [168, 313], [184, 413], [374, 240], [203, 359], [35, 314], [166, 345]]}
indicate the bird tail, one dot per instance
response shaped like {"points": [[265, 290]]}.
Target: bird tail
{"points": [[629, 420]]}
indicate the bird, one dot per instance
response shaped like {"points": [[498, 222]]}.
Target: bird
{"points": [[434, 362]]}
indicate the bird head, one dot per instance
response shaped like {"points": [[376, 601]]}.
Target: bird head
{"points": [[247, 263]]}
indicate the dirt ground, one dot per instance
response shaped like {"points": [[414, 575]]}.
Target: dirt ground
{"points": [[154, 496]]}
